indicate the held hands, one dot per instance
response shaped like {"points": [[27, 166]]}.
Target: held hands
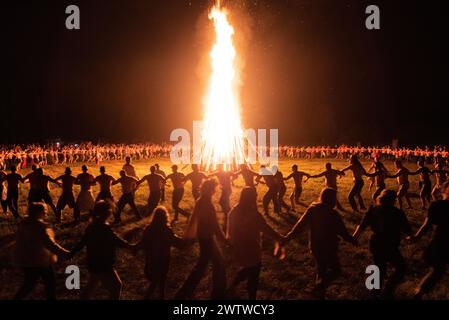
{"points": [[279, 250]]}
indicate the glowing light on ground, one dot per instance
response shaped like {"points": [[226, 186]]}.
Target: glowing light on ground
{"points": [[222, 134]]}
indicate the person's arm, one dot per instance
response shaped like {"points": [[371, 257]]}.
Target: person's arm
{"points": [[299, 226], [288, 177], [372, 175], [116, 181], [347, 168], [414, 173], [266, 228], [25, 178], [343, 231], [322, 174], [120, 242], [362, 226], [138, 183], [48, 238], [425, 227]]}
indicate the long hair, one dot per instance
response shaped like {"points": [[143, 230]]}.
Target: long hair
{"points": [[248, 199], [160, 219]]}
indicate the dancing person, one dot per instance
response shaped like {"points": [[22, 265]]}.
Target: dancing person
{"points": [[155, 182], [247, 174], [273, 189], [203, 225], [379, 175], [101, 243], [425, 184], [282, 189], [196, 177], [178, 179], [225, 181], [129, 185], [105, 181], [12, 190], [326, 227], [157, 241], [436, 255], [3, 202], [298, 177], [129, 168], [36, 252], [33, 179], [67, 198], [402, 177], [387, 224], [358, 171], [43, 191], [245, 226], [441, 177], [330, 176], [162, 173], [85, 200]]}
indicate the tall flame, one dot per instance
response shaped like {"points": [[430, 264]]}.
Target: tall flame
{"points": [[222, 134]]}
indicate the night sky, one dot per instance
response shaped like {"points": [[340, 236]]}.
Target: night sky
{"points": [[137, 69]]}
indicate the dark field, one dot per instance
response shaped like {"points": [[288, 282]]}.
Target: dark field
{"points": [[292, 278]]}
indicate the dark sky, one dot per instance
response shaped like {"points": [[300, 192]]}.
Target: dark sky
{"points": [[136, 70]]}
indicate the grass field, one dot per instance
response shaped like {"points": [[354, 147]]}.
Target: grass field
{"points": [[292, 278]]}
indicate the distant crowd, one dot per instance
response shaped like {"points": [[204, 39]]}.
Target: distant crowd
{"points": [[23, 156]]}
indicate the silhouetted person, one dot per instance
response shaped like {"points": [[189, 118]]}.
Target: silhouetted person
{"points": [[247, 174], [279, 179], [101, 243], [43, 191], [330, 176], [67, 198], [425, 185], [129, 168], [155, 182], [326, 228], [387, 224], [196, 177], [272, 193], [298, 177], [36, 252], [162, 173], [178, 179], [224, 179], [441, 177], [437, 254], [245, 227], [379, 175], [85, 200], [105, 181], [356, 192], [157, 240], [3, 202], [203, 225], [12, 190], [403, 182], [33, 179], [129, 185]]}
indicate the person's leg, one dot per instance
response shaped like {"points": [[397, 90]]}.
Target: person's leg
{"points": [[399, 195], [120, 205], [178, 200], [92, 284], [351, 197], [161, 284], [293, 201], [430, 280], [360, 185], [48, 276], [242, 275], [218, 273], [153, 201], [400, 268], [266, 201], [59, 207], [133, 206], [197, 273], [253, 281], [112, 282], [29, 283]]}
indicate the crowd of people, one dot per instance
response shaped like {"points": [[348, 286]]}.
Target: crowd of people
{"points": [[23, 156], [242, 226]]}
